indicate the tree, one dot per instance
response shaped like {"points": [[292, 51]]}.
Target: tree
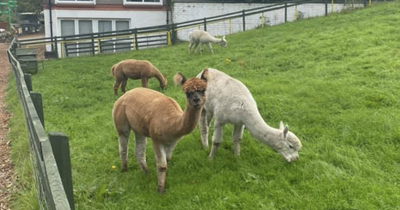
{"points": [[30, 6]]}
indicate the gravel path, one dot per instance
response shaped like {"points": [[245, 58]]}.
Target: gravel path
{"points": [[6, 167]]}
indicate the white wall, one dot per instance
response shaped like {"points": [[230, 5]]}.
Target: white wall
{"points": [[190, 11], [137, 18]]}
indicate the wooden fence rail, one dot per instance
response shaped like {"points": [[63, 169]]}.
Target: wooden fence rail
{"points": [[49, 154]]}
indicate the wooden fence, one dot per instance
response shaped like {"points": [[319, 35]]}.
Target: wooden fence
{"points": [[49, 153], [162, 35]]}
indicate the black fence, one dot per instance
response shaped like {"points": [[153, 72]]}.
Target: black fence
{"points": [[162, 35], [49, 153]]}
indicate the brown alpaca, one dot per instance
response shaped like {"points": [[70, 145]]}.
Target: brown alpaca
{"points": [[149, 113], [135, 69]]}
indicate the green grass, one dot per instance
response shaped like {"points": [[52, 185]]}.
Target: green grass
{"points": [[334, 80]]}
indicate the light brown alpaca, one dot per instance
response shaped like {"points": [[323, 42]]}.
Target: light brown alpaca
{"points": [[135, 69], [151, 114]]}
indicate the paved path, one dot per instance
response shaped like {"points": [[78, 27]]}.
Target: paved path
{"points": [[6, 168]]}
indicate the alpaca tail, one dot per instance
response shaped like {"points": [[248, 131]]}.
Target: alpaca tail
{"points": [[179, 79], [113, 70]]}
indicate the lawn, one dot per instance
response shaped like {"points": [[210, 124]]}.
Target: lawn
{"points": [[334, 80]]}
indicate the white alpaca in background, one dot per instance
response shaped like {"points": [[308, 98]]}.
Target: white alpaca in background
{"points": [[197, 37], [229, 101]]}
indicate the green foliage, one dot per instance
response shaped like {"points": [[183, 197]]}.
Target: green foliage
{"points": [[30, 5], [334, 80]]}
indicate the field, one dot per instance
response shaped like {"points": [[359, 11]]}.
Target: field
{"points": [[334, 80]]}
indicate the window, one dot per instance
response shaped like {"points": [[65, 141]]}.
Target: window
{"points": [[123, 44], [153, 2], [76, 1], [85, 27], [67, 29], [106, 45]]}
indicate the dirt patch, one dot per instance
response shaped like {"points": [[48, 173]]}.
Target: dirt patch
{"points": [[6, 167]]}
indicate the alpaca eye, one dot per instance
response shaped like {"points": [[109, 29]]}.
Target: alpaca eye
{"points": [[290, 146]]}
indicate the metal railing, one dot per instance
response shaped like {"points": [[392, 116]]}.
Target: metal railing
{"points": [[49, 154], [162, 35]]}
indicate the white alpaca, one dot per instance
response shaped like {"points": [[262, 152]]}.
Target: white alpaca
{"points": [[197, 37], [229, 101]]}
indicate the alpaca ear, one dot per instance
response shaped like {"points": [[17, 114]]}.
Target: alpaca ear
{"points": [[204, 75], [223, 38], [281, 126], [179, 79], [286, 131]]}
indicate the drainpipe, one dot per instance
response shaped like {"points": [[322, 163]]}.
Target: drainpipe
{"points": [[51, 26]]}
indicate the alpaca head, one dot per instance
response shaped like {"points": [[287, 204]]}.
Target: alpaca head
{"points": [[223, 42], [194, 89], [289, 145], [163, 84]]}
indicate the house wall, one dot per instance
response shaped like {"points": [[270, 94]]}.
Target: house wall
{"points": [[190, 11]]}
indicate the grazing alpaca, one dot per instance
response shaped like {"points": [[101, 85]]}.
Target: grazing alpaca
{"points": [[201, 37], [151, 114], [135, 69], [229, 101]]}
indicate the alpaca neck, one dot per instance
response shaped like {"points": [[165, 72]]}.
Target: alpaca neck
{"points": [[188, 121], [159, 77], [215, 40], [262, 131]]}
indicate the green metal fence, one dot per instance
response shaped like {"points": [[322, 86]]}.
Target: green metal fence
{"points": [[162, 35], [49, 153]]}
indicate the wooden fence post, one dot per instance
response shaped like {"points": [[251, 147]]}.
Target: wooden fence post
{"points": [[37, 102], [244, 20], [205, 24], [60, 145], [285, 12], [28, 81]]}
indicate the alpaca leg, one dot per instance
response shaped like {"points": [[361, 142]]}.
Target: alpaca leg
{"points": [[217, 138], [144, 81], [202, 48], [123, 138], [204, 128], [190, 47], [210, 48], [169, 149], [161, 161], [140, 151], [237, 136], [117, 83], [210, 115], [196, 46], [123, 85]]}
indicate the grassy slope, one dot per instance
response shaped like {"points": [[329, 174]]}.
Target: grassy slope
{"points": [[334, 80]]}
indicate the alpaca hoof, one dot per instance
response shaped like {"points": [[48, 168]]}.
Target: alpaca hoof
{"points": [[210, 157], [161, 190]]}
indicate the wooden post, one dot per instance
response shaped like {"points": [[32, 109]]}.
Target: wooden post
{"points": [[60, 146], [244, 20], [28, 81], [37, 102], [285, 12], [205, 24]]}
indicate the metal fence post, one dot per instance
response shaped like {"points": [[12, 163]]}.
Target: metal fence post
{"points": [[326, 7], [244, 20], [285, 12], [136, 44], [37, 102], [28, 81], [205, 24], [93, 50], [60, 145], [173, 34]]}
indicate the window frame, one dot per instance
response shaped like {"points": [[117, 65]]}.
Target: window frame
{"points": [[92, 2], [126, 2]]}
